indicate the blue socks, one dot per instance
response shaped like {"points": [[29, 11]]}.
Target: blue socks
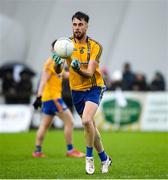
{"points": [[38, 148], [103, 156], [69, 147], [89, 151]]}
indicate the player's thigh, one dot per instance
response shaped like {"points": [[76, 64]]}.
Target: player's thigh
{"points": [[89, 110], [66, 116]]}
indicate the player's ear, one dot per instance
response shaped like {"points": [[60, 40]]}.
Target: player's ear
{"points": [[86, 26]]}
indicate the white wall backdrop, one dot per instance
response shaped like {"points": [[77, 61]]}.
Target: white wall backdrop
{"points": [[129, 30]]}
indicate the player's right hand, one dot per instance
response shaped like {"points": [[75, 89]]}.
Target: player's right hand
{"points": [[75, 65], [56, 58], [37, 103]]}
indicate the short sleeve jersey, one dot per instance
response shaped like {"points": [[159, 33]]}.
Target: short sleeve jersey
{"points": [[85, 52], [53, 87]]}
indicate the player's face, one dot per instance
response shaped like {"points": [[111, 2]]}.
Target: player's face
{"points": [[79, 28]]}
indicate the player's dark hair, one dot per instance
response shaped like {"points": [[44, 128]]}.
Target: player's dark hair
{"points": [[52, 44], [80, 15]]}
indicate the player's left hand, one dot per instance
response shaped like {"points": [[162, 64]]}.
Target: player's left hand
{"points": [[75, 65], [56, 58], [37, 103]]}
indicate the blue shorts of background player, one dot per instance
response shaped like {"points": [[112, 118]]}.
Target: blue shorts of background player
{"points": [[53, 106], [49, 109], [80, 97]]}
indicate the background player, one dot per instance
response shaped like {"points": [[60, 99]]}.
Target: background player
{"points": [[49, 96]]}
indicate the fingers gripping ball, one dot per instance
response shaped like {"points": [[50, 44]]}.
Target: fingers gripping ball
{"points": [[75, 65], [64, 47], [57, 59]]}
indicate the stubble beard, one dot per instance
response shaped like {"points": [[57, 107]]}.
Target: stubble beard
{"points": [[79, 37]]}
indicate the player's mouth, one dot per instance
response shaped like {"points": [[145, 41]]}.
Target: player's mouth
{"points": [[77, 33]]}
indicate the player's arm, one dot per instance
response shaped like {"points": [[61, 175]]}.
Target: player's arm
{"points": [[44, 78], [93, 63], [58, 68], [87, 73]]}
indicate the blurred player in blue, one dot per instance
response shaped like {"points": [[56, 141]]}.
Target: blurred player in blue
{"points": [[87, 86], [49, 96]]}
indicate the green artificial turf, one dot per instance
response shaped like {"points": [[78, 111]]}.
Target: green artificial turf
{"points": [[135, 155]]}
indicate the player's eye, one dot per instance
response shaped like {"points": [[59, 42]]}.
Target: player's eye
{"points": [[74, 24], [80, 24]]}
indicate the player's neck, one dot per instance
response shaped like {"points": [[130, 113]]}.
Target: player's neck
{"points": [[83, 40]]}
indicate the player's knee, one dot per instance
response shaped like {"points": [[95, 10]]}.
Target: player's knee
{"points": [[87, 122], [44, 127], [69, 123]]}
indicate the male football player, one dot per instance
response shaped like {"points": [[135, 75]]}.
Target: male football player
{"points": [[87, 86]]}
